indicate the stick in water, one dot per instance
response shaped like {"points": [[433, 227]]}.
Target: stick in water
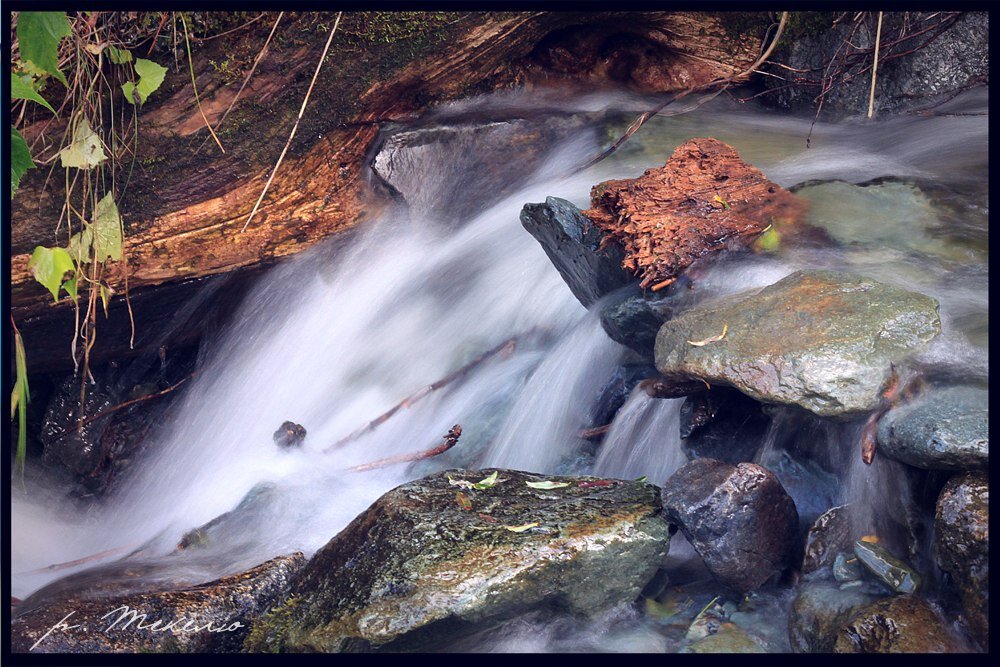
{"points": [[871, 96], [450, 440]]}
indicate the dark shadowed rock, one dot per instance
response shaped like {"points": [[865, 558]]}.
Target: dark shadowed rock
{"points": [[573, 244], [634, 320], [434, 560], [829, 535], [722, 424], [822, 340], [231, 603], [289, 435], [943, 429], [962, 544], [737, 517], [819, 610], [901, 624]]}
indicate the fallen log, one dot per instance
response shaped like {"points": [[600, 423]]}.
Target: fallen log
{"points": [[184, 209]]}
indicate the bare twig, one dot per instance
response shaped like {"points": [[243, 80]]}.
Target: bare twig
{"points": [[295, 127], [141, 399], [505, 348], [450, 440], [195, 86], [871, 96]]}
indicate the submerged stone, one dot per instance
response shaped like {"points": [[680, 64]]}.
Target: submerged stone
{"points": [[434, 560], [212, 617], [821, 340], [900, 624], [962, 545], [943, 429], [890, 570], [737, 517], [820, 608]]}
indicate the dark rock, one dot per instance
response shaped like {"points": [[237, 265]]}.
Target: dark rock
{"points": [[469, 157], [812, 488], [232, 603], [289, 435], [722, 424], [962, 546], [78, 450], [829, 535], [820, 609], [943, 429], [956, 58], [634, 320], [573, 244], [821, 340], [737, 517], [888, 569], [231, 527], [615, 392], [900, 624], [416, 570], [847, 567]]}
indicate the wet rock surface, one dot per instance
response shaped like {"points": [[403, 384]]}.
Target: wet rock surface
{"points": [[819, 610], [634, 319], [434, 560], [737, 517], [722, 424], [942, 429], [829, 535], [574, 245], [900, 624], [962, 546], [887, 568], [289, 435], [821, 340], [166, 621]]}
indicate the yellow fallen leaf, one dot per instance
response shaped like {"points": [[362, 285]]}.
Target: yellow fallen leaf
{"points": [[713, 339], [547, 484], [521, 529], [870, 539]]}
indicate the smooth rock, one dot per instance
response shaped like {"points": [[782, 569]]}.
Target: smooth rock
{"points": [[418, 570], [942, 429], [737, 517], [888, 569], [573, 244], [821, 340], [900, 624], [634, 320], [232, 603], [729, 638], [829, 535], [819, 610], [962, 545]]}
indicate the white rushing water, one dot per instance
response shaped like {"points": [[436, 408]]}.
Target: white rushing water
{"points": [[332, 339]]}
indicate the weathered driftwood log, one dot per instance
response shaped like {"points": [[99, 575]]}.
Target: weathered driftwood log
{"points": [[704, 199], [186, 202]]}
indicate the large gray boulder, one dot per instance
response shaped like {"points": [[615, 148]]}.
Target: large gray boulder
{"points": [[434, 560], [737, 517], [962, 545], [214, 617], [943, 429], [573, 244], [822, 340]]}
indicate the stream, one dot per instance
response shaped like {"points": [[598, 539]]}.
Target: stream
{"points": [[335, 336]]}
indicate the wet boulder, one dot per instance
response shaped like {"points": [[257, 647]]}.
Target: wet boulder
{"points": [[737, 517], [289, 435], [962, 545], [822, 340], [634, 319], [884, 566], [900, 624], [819, 610], [829, 535], [212, 617], [444, 557], [574, 245], [722, 424], [943, 429]]}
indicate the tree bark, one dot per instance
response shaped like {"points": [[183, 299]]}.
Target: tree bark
{"points": [[186, 202]]}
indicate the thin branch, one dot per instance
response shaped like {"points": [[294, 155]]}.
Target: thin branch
{"points": [[195, 86], [295, 127], [871, 96], [450, 440], [141, 399]]}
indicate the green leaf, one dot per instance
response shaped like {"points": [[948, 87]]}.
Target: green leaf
{"points": [[85, 151], [547, 484], [105, 295], [70, 287], [107, 230], [39, 34], [641, 479], [119, 56], [19, 90], [19, 399], [769, 240], [521, 529], [48, 265], [80, 243], [487, 483], [151, 76], [20, 159]]}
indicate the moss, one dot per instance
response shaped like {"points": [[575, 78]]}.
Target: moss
{"points": [[743, 24], [269, 632], [808, 24]]}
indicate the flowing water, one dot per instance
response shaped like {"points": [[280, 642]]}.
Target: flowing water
{"points": [[333, 338]]}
